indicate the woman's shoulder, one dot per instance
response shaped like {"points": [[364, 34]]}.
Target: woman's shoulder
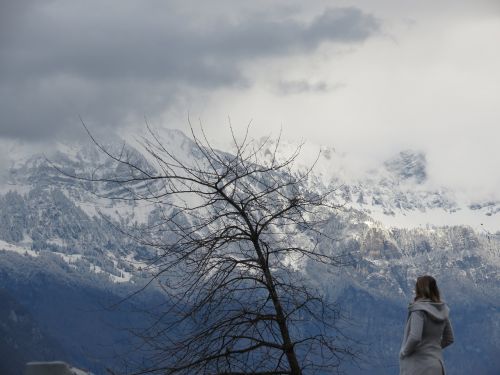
{"points": [[436, 310]]}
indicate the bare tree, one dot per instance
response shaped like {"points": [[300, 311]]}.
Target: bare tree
{"points": [[232, 234]]}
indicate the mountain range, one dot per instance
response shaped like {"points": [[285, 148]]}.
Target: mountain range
{"points": [[64, 263]]}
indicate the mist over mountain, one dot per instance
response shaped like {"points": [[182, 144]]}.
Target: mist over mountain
{"points": [[63, 258], [397, 192]]}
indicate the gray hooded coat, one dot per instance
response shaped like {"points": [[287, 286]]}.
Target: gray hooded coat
{"points": [[428, 330]]}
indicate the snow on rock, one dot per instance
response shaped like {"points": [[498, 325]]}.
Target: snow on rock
{"points": [[17, 248]]}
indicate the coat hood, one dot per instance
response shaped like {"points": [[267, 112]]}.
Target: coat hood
{"points": [[436, 310]]}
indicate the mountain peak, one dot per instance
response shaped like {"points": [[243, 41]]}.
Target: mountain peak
{"points": [[408, 164]]}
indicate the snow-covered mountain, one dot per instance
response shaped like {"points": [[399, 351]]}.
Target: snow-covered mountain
{"points": [[397, 192], [392, 224]]}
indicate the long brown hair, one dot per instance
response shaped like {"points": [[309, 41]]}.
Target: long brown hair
{"points": [[426, 287]]}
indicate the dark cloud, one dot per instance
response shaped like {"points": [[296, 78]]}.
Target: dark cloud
{"points": [[113, 61]]}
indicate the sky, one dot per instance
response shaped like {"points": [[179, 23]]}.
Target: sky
{"points": [[369, 78]]}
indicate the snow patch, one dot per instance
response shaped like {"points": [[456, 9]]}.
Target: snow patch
{"points": [[23, 250]]}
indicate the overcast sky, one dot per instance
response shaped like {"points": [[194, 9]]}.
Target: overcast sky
{"points": [[368, 77]]}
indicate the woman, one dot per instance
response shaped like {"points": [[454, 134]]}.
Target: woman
{"points": [[427, 332]]}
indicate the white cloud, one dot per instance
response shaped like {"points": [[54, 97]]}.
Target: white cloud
{"points": [[429, 84]]}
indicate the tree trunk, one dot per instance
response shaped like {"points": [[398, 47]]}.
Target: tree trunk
{"points": [[288, 346]]}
